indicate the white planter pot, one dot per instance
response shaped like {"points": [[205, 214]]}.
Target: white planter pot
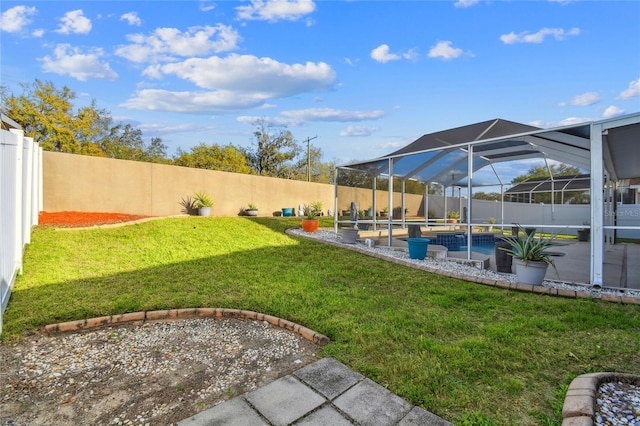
{"points": [[251, 212], [204, 211], [530, 272]]}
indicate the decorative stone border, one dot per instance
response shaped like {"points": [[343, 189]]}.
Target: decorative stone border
{"points": [[580, 403], [526, 288], [139, 318]]}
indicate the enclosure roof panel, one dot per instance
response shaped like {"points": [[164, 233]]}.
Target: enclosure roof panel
{"points": [[440, 156]]}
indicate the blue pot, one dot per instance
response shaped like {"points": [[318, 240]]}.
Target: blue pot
{"points": [[418, 247], [287, 212]]}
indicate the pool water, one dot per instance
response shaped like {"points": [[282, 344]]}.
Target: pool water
{"points": [[485, 248], [482, 243]]}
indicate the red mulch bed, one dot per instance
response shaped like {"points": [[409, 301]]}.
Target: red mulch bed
{"points": [[82, 219]]}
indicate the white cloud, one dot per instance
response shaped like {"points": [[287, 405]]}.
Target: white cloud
{"points": [[275, 10], [72, 61], [250, 74], [358, 131], [132, 18], [632, 91], [465, 3], [381, 54], [221, 101], [15, 19], [570, 121], [329, 114], [37, 33], [234, 83], [205, 6], [565, 122], [164, 129], [612, 111], [74, 22], [392, 145], [526, 37], [444, 51], [253, 120], [585, 99], [166, 43]]}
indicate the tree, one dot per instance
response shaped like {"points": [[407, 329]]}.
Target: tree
{"points": [[125, 142], [573, 197], [92, 125], [46, 114], [319, 171], [273, 152], [214, 157], [542, 172], [356, 179], [491, 196], [157, 151]]}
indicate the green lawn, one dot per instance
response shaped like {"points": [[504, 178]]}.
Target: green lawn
{"points": [[469, 353]]}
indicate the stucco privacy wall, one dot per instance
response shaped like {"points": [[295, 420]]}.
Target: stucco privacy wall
{"points": [[95, 184]]}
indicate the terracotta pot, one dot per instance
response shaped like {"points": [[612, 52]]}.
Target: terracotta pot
{"points": [[452, 220], [310, 225]]}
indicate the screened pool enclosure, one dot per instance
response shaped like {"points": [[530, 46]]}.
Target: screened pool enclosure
{"points": [[469, 157]]}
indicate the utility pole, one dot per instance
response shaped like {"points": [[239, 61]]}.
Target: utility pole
{"points": [[309, 157]]}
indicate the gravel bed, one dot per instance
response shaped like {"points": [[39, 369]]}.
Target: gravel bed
{"points": [[618, 403], [451, 266], [156, 373]]}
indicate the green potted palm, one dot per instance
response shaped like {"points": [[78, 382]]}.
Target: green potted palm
{"points": [[531, 257], [204, 203], [453, 216]]}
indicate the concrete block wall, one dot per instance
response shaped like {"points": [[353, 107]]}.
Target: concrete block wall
{"points": [[94, 184]]}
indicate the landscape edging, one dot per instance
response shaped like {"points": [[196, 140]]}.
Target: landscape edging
{"points": [[580, 402], [139, 318]]}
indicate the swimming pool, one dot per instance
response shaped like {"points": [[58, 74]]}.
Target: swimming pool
{"points": [[481, 243], [484, 248]]}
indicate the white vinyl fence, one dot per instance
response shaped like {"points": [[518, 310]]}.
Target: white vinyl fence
{"points": [[20, 203]]}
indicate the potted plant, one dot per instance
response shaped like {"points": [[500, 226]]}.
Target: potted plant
{"points": [[384, 212], [492, 221], [204, 203], [251, 210], [453, 216], [584, 233], [311, 211], [531, 257]]}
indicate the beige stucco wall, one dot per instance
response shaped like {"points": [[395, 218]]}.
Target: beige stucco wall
{"points": [[94, 184]]}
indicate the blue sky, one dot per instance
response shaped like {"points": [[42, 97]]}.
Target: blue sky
{"points": [[365, 77]]}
